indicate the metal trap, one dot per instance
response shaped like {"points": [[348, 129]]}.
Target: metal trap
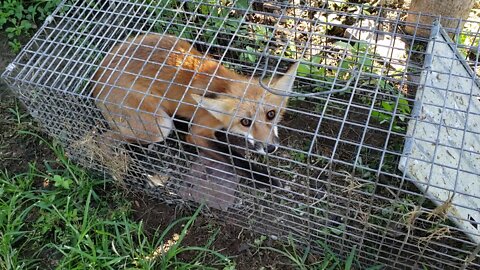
{"points": [[359, 109]]}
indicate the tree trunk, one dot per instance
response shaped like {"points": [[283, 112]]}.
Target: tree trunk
{"points": [[431, 9]]}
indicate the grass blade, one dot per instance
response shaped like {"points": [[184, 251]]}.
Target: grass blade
{"points": [[351, 256]]}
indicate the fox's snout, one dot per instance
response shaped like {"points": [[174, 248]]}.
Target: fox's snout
{"points": [[269, 145], [271, 148], [265, 148]]}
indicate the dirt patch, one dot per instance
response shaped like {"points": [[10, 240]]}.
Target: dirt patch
{"points": [[231, 240], [16, 151]]}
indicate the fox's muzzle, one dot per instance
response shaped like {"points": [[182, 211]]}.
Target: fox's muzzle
{"points": [[264, 148]]}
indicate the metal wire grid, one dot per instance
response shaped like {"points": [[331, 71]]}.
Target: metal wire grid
{"points": [[337, 160]]}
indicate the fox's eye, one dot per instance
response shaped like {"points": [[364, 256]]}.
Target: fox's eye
{"points": [[271, 114], [246, 122]]}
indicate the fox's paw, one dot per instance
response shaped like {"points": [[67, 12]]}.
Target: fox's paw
{"points": [[164, 125]]}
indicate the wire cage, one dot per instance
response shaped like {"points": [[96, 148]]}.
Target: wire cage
{"points": [[378, 148]]}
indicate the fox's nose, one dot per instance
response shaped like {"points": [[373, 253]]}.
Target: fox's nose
{"points": [[271, 148]]}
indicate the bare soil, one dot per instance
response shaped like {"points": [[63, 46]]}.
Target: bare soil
{"points": [[230, 241], [16, 151]]}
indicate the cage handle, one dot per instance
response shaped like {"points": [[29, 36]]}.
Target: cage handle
{"points": [[296, 94]]}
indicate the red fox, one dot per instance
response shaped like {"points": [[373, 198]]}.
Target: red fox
{"points": [[146, 81]]}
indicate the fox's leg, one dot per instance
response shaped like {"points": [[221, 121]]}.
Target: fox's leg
{"points": [[134, 125], [209, 145]]}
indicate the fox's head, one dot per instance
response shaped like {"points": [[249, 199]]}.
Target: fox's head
{"points": [[247, 109]]}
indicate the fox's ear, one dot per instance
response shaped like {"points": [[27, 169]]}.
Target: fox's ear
{"points": [[218, 107], [285, 83]]}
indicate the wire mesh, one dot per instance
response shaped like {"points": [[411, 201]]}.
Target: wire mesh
{"points": [[335, 178]]}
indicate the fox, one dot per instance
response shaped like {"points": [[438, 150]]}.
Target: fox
{"points": [[145, 82]]}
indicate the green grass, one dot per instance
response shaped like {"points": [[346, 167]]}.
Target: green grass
{"points": [[61, 217], [299, 258]]}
